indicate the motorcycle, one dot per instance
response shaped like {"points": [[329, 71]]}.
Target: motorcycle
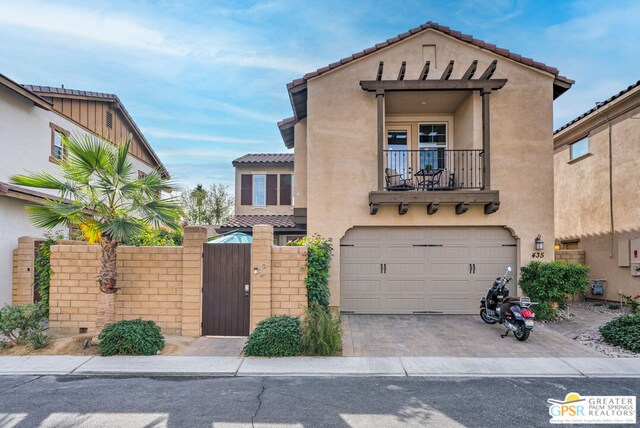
{"points": [[512, 312]]}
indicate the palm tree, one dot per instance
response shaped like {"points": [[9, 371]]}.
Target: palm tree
{"points": [[99, 194]]}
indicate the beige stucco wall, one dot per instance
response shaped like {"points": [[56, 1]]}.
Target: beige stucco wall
{"points": [[300, 164], [342, 149], [582, 205], [267, 209]]}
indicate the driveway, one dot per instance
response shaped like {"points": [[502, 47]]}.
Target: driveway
{"points": [[449, 335]]}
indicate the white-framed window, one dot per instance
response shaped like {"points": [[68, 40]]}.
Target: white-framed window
{"points": [[579, 148], [293, 193], [259, 190], [58, 151], [432, 142]]}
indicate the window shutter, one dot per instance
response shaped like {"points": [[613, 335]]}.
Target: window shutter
{"points": [[272, 189], [246, 189], [285, 189]]}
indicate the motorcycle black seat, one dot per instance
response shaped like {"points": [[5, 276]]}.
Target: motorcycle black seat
{"points": [[511, 299]]}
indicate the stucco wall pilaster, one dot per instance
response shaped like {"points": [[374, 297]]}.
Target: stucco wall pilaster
{"points": [[194, 238]]}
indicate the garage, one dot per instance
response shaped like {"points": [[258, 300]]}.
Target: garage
{"points": [[407, 270]]}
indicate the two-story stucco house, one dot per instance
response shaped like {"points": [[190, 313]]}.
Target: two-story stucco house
{"points": [[265, 194], [32, 121], [597, 194], [428, 160]]}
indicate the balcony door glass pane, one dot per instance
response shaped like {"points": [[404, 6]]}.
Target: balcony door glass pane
{"points": [[432, 144], [397, 151]]}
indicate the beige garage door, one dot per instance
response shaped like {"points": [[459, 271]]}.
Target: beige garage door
{"points": [[404, 270]]}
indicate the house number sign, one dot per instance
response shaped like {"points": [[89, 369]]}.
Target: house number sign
{"points": [[538, 255]]}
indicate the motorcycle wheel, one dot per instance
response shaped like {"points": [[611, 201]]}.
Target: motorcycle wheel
{"points": [[523, 333], [486, 318]]}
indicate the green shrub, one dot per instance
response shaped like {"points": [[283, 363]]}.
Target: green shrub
{"points": [[17, 323], [624, 332], [156, 237], [321, 331], [551, 284], [319, 253], [277, 336], [42, 268], [131, 337], [39, 339]]}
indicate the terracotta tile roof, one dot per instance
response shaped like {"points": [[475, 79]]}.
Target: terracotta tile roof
{"points": [[65, 91], [264, 158], [599, 105], [446, 30], [241, 221]]}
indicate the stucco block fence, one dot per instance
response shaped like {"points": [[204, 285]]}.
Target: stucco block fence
{"points": [[570, 256], [163, 284]]}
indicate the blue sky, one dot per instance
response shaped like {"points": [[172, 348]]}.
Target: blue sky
{"points": [[205, 80]]}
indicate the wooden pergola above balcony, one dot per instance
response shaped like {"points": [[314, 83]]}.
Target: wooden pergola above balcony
{"points": [[483, 84], [432, 200]]}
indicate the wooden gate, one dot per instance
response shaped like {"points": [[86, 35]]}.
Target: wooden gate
{"points": [[225, 295]]}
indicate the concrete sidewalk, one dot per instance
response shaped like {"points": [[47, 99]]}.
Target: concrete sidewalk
{"points": [[321, 366]]}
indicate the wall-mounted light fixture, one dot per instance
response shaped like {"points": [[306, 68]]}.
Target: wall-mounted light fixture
{"points": [[539, 243], [255, 270], [557, 247]]}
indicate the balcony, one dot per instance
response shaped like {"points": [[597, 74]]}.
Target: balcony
{"points": [[432, 177]]}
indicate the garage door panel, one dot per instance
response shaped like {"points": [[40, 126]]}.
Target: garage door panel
{"points": [[362, 304], [362, 286], [404, 269], [361, 252], [449, 252], [361, 268], [403, 253], [403, 304], [418, 277], [449, 267], [450, 286], [403, 286]]}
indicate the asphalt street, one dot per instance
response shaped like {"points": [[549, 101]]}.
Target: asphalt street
{"points": [[92, 401]]}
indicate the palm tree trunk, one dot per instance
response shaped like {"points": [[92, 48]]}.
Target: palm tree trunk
{"points": [[107, 281]]}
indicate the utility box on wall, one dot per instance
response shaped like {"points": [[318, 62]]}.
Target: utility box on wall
{"points": [[634, 253]]}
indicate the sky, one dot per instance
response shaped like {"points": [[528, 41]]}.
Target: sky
{"points": [[206, 80]]}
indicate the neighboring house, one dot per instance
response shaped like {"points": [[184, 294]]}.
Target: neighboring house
{"points": [[428, 161], [32, 120], [597, 194], [264, 194]]}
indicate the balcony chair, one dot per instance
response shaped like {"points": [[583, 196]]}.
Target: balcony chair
{"points": [[395, 181]]}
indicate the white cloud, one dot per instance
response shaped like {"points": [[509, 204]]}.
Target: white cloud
{"points": [[88, 25], [159, 133]]}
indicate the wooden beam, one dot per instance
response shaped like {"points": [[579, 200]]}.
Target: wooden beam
{"points": [[489, 71], [470, 71], [432, 85], [373, 208], [380, 69], [403, 68], [462, 208], [492, 207], [403, 208], [425, 70], [447, 71], [380, 100], [486, 140], [453, 197], [432, 208]]}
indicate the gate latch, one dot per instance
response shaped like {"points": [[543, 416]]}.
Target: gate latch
{"points": [[246, 290]]}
